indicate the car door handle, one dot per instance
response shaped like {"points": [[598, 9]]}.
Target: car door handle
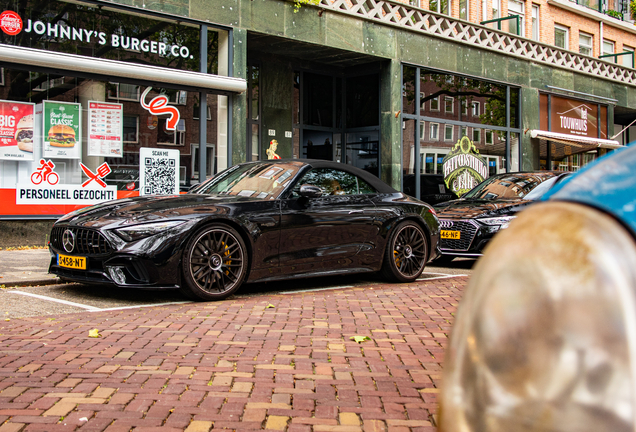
{"points": [[355, 211]]}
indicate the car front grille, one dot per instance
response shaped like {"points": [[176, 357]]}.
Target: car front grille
{"points": [[87, 242], [467, 229]]}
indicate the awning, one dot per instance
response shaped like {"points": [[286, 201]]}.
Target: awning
{"points": [[117, 69], [575, 140]]}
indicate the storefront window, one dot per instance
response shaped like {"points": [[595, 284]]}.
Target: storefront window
{"points": [[453, 108], [113, 134], [581, 129], [75, 132]]}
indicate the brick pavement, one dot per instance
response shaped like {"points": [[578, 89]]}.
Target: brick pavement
{"points": [[236, 364]]}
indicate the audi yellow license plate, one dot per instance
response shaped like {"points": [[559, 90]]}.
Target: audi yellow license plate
{"points": [[453, 235], [78, 263]]}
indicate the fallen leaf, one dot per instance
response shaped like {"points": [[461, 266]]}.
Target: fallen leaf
{"points": [[360, 339], [83, 419], [93, 333], [270, 306]]}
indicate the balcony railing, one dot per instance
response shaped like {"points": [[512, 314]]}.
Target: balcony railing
{"points": [[422, 21]]}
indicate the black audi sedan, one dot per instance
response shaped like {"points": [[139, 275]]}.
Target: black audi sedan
{"points": [[467, 224], [257, 221]]}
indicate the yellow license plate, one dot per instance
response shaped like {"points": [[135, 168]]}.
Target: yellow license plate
{"points": [[453, 235], [71, 262]]}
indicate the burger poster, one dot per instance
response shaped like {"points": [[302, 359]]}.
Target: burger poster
{"points": [[16, 131], [62, 130]]}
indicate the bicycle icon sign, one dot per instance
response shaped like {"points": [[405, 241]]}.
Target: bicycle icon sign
{"points": [[44, 173]]}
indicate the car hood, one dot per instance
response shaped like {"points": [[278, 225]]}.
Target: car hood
{"points": [[470, 209], [132, 211]]}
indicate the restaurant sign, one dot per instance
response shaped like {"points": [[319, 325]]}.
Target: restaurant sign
{"points": [[91, 30], [464, 168]]}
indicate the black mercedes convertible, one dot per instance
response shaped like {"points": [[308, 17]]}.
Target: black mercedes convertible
{"points": [[257, 221]]}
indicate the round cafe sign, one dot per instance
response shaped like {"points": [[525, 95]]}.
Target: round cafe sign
{"points": [[10, 22], [464, 168]]}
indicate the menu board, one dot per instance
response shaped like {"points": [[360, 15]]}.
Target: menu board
{"points": [[62, 130], [105, 129], [16, 131]]}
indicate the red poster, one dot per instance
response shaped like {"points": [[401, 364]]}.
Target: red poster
{"points": [[16, 131]]}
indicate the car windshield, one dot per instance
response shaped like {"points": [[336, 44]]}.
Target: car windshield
{"points": [[263, 180], [508, 186]]}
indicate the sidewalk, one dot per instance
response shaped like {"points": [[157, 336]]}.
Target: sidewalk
{"points": [[28, 267], [280, 362]]}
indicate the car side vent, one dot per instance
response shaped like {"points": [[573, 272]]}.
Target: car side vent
{"points": [[87, 242]]}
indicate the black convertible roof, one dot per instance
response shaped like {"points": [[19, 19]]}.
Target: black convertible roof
{"points": [[377, 184]]}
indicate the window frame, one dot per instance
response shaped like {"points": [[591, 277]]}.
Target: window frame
{"points": [[430, 132], [136, 117], [566, 37], [436, 99], [452, 129], [452, 105], [536, 20], [476, 133], [624, 59], [589, 46], [613, 44], [521, 13], [491, 133], [476, 112], [118, 96]]}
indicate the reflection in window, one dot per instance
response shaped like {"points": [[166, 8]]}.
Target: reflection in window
{"points": [[448, 133], [475, 109], [334, 182], [489, 137], [122, 91], [474, 92], [434, 132], [435, 104], [476, 135], [449, 105], [131, 129]]}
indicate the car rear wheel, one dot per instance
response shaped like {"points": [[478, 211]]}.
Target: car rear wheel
{"points": [[406, 253], [214, 263]]}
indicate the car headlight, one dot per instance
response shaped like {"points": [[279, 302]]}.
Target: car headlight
{"points": [[545, 335], [137, 232], [502, 221]]}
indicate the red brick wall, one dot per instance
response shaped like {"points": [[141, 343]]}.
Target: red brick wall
{"points": [[549, 15]]}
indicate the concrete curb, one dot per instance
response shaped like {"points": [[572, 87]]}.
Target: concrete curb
{"points": [[31, 282]]}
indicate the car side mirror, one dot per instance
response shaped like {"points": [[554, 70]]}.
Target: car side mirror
{"points": [[310, 191]]}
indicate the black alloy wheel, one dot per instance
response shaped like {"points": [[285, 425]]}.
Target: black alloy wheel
{"points": [[214, 263], [406, 253]]}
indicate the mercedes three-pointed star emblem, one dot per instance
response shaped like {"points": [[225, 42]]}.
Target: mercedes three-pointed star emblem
{"points": [[68, 240]]}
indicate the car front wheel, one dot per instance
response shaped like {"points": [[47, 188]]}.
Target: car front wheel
{"points": [[406, 253], [214, 263]]}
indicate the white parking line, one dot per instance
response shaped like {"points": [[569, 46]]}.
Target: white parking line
{"points": [[41, 297], [142, 306], [316, 289], [92, 308], [440, 277]]}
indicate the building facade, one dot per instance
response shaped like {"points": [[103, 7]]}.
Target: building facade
{"points": [[389, 87]]}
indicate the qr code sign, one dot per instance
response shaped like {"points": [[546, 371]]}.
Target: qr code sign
{"points": [[160, 175]]}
